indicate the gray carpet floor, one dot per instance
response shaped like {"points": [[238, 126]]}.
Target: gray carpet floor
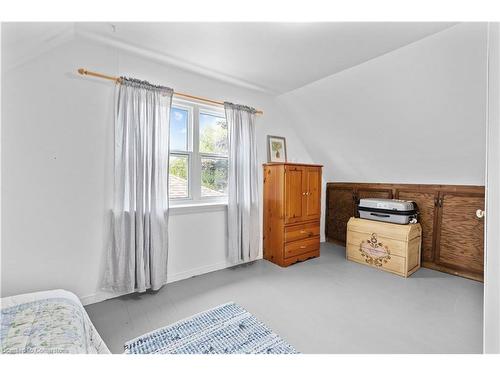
{"points": [[323, 305]]}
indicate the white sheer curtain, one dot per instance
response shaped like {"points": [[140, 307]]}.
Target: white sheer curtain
{"points": [[137, 257], [243, 200]]}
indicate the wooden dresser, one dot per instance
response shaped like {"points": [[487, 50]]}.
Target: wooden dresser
{"points": [[292, 211]]}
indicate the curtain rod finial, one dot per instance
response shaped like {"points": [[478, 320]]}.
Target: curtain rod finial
{"points": [[82, 71]]}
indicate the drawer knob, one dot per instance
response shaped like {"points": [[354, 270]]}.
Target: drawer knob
{"points": [[302, 231], [302, 247]]}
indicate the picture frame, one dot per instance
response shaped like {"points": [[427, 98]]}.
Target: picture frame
{"points": [[276, 149]]}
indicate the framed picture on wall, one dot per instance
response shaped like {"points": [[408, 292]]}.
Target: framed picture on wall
{"points": [[276, 149]]}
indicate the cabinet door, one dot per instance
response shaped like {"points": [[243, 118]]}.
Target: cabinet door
{"points": [[340, 209], [312, 209], [295, 180], [426, 203], [460, 241], [367, 192]]}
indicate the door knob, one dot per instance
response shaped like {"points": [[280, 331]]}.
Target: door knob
{"points": [[480, 214]]}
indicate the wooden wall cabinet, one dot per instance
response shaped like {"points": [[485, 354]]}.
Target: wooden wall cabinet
{"points": [[342, 204], [459, 242], [452, 235], [292, 211], [427, 205]]}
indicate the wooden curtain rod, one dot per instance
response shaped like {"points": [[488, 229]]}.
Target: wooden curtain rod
{"points": [[85, 72]]}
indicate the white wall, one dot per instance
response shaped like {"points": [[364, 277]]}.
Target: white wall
{"points": [[414, 115], [492, 265], [57, 169]]}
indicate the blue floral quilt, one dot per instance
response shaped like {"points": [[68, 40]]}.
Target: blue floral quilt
{"points": [[53, 325]]}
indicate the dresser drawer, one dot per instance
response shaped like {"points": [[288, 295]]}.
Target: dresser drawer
{"points": [[301, 247], [299, 232]]}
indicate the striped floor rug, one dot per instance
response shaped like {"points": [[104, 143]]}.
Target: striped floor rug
{"points": [[226, 329]]}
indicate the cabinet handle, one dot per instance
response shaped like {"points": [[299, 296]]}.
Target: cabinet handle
{"points": [[480, 213], [302, 247], [302, 231]]}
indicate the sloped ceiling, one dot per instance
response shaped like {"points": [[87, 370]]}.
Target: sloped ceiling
{"points": [[275, 57], [271, 57], [414, 115]]}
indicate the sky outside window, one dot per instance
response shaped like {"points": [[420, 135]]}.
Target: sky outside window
{"points": [[179, 129]]}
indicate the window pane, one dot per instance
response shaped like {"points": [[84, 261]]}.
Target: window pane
{"points": [[179, 129], [213, 177], [213, 134], [178, 186]]}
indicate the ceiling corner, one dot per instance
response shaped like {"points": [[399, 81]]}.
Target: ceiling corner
{"points": [[21, 45]]}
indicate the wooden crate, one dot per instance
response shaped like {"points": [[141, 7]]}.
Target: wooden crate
{"points": [[390, 247]]}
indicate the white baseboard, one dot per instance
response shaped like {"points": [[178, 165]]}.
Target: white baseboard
{"points": [[197, 271], [102, 296], [99, 297]]}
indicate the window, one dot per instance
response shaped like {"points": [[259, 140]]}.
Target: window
{"points": [[198, 162]]}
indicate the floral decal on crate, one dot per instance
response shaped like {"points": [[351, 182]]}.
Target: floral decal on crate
{"points": [[374, 252]]}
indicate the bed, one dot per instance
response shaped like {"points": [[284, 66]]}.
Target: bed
{"points": [[48, 322]]}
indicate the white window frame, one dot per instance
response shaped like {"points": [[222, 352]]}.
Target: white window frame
{"points": [[194, 198]]}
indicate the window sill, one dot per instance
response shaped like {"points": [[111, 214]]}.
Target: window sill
{"points": [[188, 208]]}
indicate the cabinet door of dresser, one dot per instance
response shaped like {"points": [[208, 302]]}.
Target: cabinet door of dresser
{"points": [[295, 180], [312, 189]]}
